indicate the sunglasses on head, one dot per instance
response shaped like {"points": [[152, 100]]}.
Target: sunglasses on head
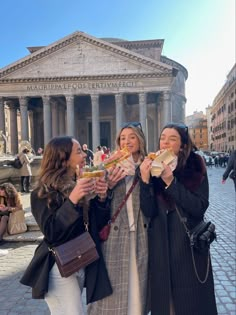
{"points": [[177, 125], [135, 124]]}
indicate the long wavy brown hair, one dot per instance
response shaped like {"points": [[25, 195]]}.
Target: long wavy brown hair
{"points": [[12, 197], [54, 173]]}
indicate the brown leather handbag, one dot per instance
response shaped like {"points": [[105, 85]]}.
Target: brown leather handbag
{"points": [[76, 253]]}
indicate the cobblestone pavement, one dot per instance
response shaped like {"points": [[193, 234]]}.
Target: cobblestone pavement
{"points": [[15, 299]]}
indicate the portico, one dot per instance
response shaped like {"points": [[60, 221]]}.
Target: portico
{"points": [[90, 96]]}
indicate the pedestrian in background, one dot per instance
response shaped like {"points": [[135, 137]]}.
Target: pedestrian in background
{"points": [[89, 154], [25, 171], [126, 250], [97, 157], [175, 288], [9, 202], [57, 205], [230, 169]]}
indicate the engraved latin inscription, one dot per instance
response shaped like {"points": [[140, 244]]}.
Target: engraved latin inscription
{"points": [[80, 86]]}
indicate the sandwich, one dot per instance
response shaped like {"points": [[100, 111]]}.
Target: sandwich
{"points": [[168, 157], [152, 156], [89, 172], [92, 173], [116, 157]]}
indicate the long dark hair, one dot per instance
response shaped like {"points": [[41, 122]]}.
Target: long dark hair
{"points": [[53, 174], [187, 146]]}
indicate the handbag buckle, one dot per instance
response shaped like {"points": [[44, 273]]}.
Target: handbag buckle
{"points": [[86, 226]]}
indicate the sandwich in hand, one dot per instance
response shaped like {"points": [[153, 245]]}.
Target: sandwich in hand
{"points": [[116, 157], [89, 172], [168, 157]]}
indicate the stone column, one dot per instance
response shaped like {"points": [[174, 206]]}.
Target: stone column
{"points": [[166, 115], [95, 121], [13, 128], [119, 111], [55, 120], [47, 118], [61, 119], [143, 111], [2, 116], [24, 118], [31, 129], [2, 125], [70, 107]]}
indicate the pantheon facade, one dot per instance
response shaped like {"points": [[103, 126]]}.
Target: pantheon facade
{"points": [[88, 87]]}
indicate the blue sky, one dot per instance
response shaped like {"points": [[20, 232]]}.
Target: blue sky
{"points": [[199, 34]]}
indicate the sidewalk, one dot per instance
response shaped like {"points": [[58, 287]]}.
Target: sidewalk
{"points": [[15, 255]]}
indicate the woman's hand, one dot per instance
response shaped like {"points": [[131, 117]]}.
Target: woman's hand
{"points": [[115, 174], [84, 187], [167, 174], [145, 169], [101, 188]]}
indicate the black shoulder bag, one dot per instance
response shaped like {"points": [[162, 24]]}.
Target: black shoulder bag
{"points": [[200, 237]]}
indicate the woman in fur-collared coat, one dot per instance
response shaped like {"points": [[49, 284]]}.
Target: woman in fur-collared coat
{"points": [[175, 288]]}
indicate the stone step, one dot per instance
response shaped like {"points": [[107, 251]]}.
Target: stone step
{"points": [[33, 233], [30, 222], [29, 236]]}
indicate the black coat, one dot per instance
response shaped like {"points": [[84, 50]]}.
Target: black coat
{"points": [[231, 167], [59, 226], [171, 266]]}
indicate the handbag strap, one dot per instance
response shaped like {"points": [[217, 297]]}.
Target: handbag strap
{"points": [[183, 220], [112, 220]]}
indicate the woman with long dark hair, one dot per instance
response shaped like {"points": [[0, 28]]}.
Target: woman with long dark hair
{"points": [[175, 287]]}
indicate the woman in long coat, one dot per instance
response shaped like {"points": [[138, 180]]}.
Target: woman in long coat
{"points": [[175, 288], [25, 170], [125, 252]]}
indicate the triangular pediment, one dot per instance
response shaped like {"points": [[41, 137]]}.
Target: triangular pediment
{"points": [[81, 55]]}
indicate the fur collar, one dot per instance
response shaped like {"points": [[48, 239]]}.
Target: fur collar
{"points": [[191, 176], [193, 173]]}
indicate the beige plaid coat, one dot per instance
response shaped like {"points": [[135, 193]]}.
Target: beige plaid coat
{"points": [[116, 255]]}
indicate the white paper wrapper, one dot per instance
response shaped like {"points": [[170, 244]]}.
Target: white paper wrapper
{"points": [[163, 156], [127, 165]]}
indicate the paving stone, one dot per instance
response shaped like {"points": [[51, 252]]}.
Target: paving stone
{"points": [[18, 251]]}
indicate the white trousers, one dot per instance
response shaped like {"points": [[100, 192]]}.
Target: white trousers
{"points": [[64, 294]]}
